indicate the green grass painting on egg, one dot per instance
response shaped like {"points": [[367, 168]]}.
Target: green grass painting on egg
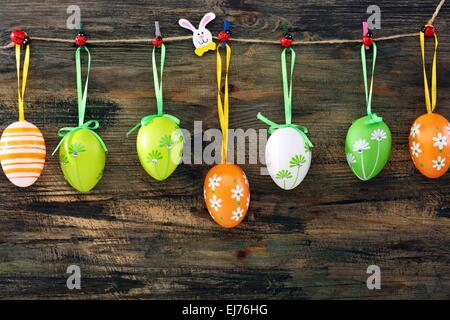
{"points": [[160, 147], [82, 159]]}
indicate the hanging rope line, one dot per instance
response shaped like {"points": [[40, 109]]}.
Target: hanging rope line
{"points": [[303, 42]]}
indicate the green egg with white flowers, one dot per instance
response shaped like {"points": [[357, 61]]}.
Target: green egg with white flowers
{"points": [[82, 157], [160, 147], [368, 147]]}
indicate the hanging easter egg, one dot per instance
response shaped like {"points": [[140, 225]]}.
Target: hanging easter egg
{"points": [[22, 153], [160, 147], [368, 147], [226, 189], [159, 141], [429, 136], [227, 194], [288, 150], [429, 144], [368, 143], [288, 157], [82, 157], [22, 146], [82, 152]]}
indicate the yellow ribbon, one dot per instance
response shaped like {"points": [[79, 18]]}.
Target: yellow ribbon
{"points": [[431, 105], [21, 90], [223, 108]]}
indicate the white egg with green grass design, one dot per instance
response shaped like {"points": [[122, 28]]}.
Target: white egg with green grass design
{"points": [[288, 157]]}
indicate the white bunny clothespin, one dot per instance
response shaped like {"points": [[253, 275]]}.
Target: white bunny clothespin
{"points": [[202, 37]]}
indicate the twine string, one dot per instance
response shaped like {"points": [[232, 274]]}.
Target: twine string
{"points": [[302, 42]]}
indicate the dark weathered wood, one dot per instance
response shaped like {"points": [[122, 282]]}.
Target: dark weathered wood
{"points": [[137, 238]]}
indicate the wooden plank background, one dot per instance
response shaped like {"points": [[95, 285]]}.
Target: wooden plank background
{"points": [[137, 238]]}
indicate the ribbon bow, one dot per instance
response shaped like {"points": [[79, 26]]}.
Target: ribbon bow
{"points": [[147, 119], [287, 88], [82, 99], [374, 118], [67, 131], [274, 126]]}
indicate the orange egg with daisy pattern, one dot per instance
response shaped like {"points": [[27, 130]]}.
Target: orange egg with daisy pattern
{"points": [[227, 194], [429, 144]]}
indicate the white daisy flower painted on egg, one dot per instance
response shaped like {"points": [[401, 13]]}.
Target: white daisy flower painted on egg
{"points": [[439, 163], [416, 149], [214, 182], [415, 129], [351, 159], [440, 141], [378, 134], [237, 215], [215, 203], [237, 193], [361, 145]]}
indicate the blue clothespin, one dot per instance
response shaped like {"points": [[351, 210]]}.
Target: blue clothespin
{"points": [[226, 27]]}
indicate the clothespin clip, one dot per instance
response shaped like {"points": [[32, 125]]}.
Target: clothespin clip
{"points": [[429, 30], [158, 39], [367, 37], [80, 38], [225, 34], [286, 39]]}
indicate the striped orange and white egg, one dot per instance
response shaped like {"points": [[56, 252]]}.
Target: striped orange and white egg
{"points": [[22, 153]]}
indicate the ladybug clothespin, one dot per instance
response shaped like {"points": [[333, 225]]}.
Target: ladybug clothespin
{"points": [[286, 39], [81, 37], [20, 37], [428, 30], [158, 39], [225, 34], [367, 37]]}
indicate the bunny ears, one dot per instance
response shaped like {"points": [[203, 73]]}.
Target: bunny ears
{"points": [[202, 37], [207, 18]]}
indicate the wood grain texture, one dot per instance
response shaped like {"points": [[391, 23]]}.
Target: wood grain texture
{"points": [[137, 238]]}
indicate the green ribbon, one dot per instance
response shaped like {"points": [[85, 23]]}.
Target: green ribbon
{"points": [[147, 119], [287, 88], [273, 126], [158, 92], [82, 99], [373, 116]]}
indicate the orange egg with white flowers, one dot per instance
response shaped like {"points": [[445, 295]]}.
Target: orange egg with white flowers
{"points": [[429, 144], [227, 194]]}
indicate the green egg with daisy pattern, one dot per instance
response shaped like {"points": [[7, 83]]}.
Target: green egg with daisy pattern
{"points": [[160, 147], [82, 158], [368, 147]]}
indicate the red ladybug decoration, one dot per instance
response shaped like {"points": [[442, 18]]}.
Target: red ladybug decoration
{"points": [[367, 40], [224, 35], [286, 40], [18, 36], [157, 41], [428, 30], [81, 39]]}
